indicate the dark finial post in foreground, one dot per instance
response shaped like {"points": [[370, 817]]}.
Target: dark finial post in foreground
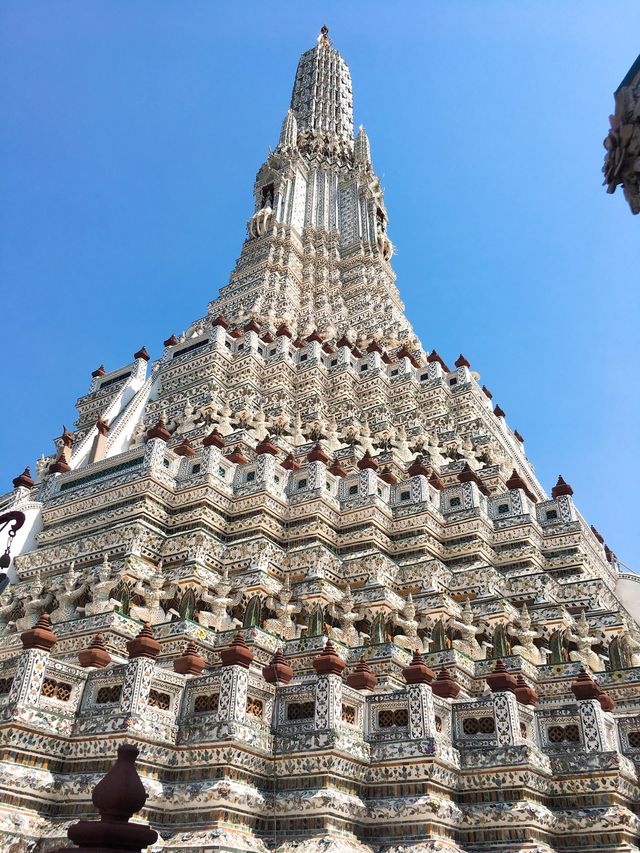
{"points": [[117, 797]]}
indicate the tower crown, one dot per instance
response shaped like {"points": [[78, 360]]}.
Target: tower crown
{"points": [[322, 95]]}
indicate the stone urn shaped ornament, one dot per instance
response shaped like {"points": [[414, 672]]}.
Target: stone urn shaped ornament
{"points": [[118, 796]]}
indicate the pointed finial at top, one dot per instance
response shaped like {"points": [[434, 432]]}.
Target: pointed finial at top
{"points": [[323, 38]]}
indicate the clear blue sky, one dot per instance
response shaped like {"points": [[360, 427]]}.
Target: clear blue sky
{"points": [[131, 134]]}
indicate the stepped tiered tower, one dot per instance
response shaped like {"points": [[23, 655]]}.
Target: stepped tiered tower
{"points": [[307, 569]]}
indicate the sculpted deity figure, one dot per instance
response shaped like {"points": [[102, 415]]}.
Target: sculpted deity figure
{"points": [[152, 611], [101, 602], [138, 434], [467, 643], [584, 641], [630, 643], [219, 618], [34, 601], [283, 625], [347, 617], [259, 425], [406, 619], [66, 595], [525, 634], [225, 427], [188, 420], [365, 437], [8, 602]]}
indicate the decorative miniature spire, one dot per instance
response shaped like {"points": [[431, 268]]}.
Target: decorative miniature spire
{"points": [[159, 430], [328, 662], [525, 694], [362, 677], [237, 654], [289, 131], [501, 679], [214, 439], [185, 448], [40, 636], [118, 796], [444, 686], [171, 342], [561, 488], [98, 372], [144, 645], [461, 361], [278, 670], [24, 480], [143, 354], [362, 150], [367, 461], [189, 662], [96, 654], [266, 446], [317, 454], [418, 671], [584, 687]]}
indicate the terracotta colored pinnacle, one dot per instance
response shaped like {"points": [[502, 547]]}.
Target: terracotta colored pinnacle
{"points": [[328, 662], [98, 372], [235, 333], [171, 342], [435, 357], [344, 342], [517, 436], [144, 645], [96, 654], [143, 354], [214, 439], [355, 352], [185, 448], [336, 469], [220, 321], [59, 467], [486, 392], [405, 352], [117, 797], [68, 438], [327, 348], [515, 481], [595, 532], [189, 662], [159, 430], [252, 326], [267, 338], [278, 670], [584, 687], [525, 694], [418, 671], [362, 676], [444, 686], [417, 468], [237, 456], [290, 464], [436, 482], [467, 475], [498, 412], [314, 336], [317, 454], [388, 477], [24, 480], [561, 488], [367, 461], [374, 346], [266, 446], [102, 426], [283, 330], [500, 679], [462, 362], [40, 636], [238, 653]]}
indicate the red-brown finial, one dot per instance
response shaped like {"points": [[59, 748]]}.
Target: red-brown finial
{"points": [[96, 654], [143, 354], [278, 670], [418, 671], [144, 645], [362, 676], [444, 686], [24, 480], [189, 662], [561, 488], [501, 679], [328, 662], [185, 448], [41, 636], [237, 654]]}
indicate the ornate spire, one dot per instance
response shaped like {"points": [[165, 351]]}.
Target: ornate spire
{"points": [[362, 150], [322, 95], [289, 131]]}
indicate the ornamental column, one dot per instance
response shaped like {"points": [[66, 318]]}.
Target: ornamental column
{"points": [[236, 660], [143, 651], [37, 643], [329, 666], [418, 676]]}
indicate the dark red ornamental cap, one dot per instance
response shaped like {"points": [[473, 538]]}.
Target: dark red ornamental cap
{"points": [[143, 354], [189, 662], [561, 488], [237, 654], [418, 671], [24, 480], [461, 361], [41, 636], [278, 670], [144, 645], [328, 662]]}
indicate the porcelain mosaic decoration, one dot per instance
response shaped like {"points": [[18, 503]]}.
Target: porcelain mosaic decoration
{"points": [[307, 569]]}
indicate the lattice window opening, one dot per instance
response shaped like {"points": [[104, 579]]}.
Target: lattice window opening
{"points": [[5, 685], [301, 710], [109, 694], [159, 700], [388, 718], [52, 689], [563, 734], [478, 726], [349, 714], [633, 739], [255, 707], [206, 703]]}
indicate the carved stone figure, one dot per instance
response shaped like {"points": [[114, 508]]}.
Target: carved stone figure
{"points": [[467, 643], [584, 641], [406, 619], [34, 600], [66, 595], [153, 593], [101, 602], [283, 625], [219, 617], [525, 635], [348, 615], [630, 644]]}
